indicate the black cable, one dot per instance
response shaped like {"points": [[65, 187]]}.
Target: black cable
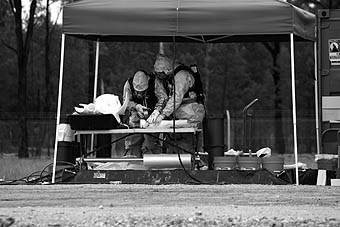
{"points": [[174, 124], [60, 162], [9, 182], [174, 88], [32, 175], [174, 110], [27, 179], [105, 145], [173, 116]]}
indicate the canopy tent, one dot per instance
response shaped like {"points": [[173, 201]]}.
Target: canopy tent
{"points": [[187, 21]]}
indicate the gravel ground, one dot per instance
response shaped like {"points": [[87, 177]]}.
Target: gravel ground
{"points": [[169, 205]]}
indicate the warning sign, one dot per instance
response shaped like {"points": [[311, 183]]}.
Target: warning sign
{"points": [[334, 51]]}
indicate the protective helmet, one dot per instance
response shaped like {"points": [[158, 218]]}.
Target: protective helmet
{"points": [[140, 81], [163, 64]]}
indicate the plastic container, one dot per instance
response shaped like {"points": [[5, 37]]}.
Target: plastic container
{"points": [[273, 164], [92, 121], [225, 162], [213, 137], [249, 163], [327, 164], [68, 152], [65, 133]]}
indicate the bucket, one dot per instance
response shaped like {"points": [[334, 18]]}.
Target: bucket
{"points": [[213, 137], [65, 133], [225, 162], [68, 151], [327, 164], [274, 164], [249, 163]]}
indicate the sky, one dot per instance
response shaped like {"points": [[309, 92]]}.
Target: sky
{"points": [[54, 9]]}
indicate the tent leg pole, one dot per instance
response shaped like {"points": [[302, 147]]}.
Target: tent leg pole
{"points": [[95, 84], [96, 71], [316, 100], [294, 106], [59, 106], [228, 129]]}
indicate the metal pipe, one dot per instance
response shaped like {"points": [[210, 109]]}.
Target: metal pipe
{"points": [[228, 129], [245, 137], [316, 93], [163, 161], [250, 142], [155, 161], [319, 79], [249, 105]]}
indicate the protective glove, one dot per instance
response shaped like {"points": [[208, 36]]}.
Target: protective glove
{"points": [[153, 116], [141, 110], [159, 119]]}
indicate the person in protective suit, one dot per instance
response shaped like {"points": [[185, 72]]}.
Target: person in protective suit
{"points": [[178, 97], [140, 91], [185, 105]]}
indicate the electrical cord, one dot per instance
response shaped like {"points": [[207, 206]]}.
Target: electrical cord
{"points": [[35, 177], [10, 182], [38, 177], [41, 177], [174, 110], [105, 145], [174, 124]]}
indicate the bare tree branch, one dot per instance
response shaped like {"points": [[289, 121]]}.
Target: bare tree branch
{"points": [[319, 3], [54, 25], [9, 46], [269, 48], [12, 6], [30, 27]]}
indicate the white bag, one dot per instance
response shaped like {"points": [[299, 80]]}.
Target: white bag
{"points": [[108, 104]]}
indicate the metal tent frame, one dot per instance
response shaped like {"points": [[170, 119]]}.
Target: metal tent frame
{"points": [[189, 21]]}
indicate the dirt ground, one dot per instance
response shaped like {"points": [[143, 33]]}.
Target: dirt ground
{"points": [[169, 205]]}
